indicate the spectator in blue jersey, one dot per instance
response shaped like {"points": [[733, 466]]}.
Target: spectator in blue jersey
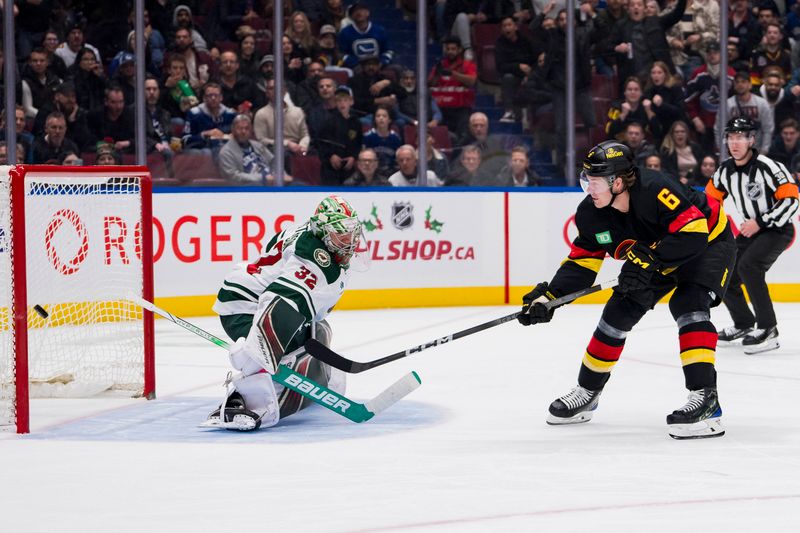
{"points": [[383, 140], [363, 39], [208, 124]]}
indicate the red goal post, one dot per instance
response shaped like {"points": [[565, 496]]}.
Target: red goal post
{"points": [[74, 241]]}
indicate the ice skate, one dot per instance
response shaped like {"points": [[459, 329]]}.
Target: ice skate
{"points": [[575, 407], [732, 334], [761, 340], [700, 418], [237, 416]]}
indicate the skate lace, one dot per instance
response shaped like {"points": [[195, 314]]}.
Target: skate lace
{"points": [[696, 399], [576, 397]]}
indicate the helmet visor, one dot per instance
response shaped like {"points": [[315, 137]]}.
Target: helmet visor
{"points": [[595, 184]]}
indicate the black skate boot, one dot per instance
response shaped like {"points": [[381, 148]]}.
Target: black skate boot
{"points": [[575, 407], [700, 418], [761, 340], [237, 416], [731, 334]]}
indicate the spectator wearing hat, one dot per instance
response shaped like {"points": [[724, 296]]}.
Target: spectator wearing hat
{"points": [[65, 100], [245, 160], [124, 75], [38, 83], [770, 54], [182, 17], [114, 120], [327, 52], [53, 146], [89, 79], [266, 71], [105, 154], [208, 125], [703, 98], [340, 140], [744, 103], [68, 50], [371, 89], [363, 39], [238, 92]]}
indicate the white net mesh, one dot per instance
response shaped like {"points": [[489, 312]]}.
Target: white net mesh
{"points": [[7, 366], [83, 248]]}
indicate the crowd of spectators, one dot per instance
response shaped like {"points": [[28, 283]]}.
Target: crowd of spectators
{"points": [[646, 72]]}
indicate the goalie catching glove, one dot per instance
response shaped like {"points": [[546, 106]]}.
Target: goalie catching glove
{"points": [[640, 265], [533, 308]]}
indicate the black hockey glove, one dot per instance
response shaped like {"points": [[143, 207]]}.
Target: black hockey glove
{"points": [[638, 270], [533, 308]]}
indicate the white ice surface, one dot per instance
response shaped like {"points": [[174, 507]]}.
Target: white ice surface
{"points": [[468, 451]]}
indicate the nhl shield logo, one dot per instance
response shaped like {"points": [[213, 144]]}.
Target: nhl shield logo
{"points": [[754, 191], [402, 215]]}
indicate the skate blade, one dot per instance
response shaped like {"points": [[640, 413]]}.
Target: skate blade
{"points": [[705, 429], [580, 418], [239, 423], [771, 344]]}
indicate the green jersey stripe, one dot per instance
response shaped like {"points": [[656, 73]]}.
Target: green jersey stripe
{"points": [[289, 293], [242, 288], [302, 290]]}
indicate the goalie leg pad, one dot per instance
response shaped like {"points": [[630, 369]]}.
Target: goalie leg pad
{"points": [[275, 325]]}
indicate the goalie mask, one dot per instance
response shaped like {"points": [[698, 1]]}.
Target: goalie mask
{"points": [[336, 223]]}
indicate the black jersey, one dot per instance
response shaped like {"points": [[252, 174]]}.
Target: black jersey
{"points": [[675, 221]]}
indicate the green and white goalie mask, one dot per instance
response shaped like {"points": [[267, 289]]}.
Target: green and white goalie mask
{"points": [[336, 223]]}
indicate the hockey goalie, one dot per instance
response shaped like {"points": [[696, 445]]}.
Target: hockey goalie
{"points": [[272, 306]]}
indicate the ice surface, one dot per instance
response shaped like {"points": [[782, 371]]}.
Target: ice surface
{"points": [[467, 451]]}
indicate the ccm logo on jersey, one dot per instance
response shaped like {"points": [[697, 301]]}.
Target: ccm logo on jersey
{"points": [[437, 342], [317, 392]]}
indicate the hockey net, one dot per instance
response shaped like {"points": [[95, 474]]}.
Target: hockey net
{"points": [[74, 242]]}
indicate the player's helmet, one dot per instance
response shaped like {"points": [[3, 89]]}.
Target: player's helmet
{"points": [[336, 223], [740, 125], [609, 159]]}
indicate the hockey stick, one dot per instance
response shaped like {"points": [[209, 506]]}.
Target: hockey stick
{"points": [[326, 355], [339, 404]]}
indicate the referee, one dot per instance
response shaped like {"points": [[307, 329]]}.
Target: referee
{"points": [[766, 195]]}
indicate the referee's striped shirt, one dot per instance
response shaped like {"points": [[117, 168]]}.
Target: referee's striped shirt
{"points": [[763, 190]]}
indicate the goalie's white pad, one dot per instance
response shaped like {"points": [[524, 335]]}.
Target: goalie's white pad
{"points": [[246, 357], [710, 427]]}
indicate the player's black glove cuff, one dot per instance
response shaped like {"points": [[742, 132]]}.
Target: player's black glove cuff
{"points": [[638, 270], [535, 312]]}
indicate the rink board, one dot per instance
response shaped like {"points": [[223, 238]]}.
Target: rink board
{"points": [[426, 247]]}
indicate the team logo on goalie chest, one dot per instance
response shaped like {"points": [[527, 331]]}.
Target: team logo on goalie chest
{"points": [[402, 215]]}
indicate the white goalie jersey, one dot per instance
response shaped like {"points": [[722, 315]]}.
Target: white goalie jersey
{"points": [[296, 266]]}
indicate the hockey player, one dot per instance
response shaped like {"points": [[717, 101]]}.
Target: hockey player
{"points": [[671, 237], [766, 195], [272, 306]]}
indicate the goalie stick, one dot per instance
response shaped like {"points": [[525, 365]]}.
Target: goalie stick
{"points": [[326, 355], [339, 404]]}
